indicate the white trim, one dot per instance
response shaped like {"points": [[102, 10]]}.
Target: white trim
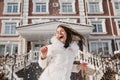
{"points": [[116, 22], [34, 21], [9, 21], [69, 20], [40, 1], [11, 1]]}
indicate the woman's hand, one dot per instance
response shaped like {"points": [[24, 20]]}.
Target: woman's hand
{"points": [[82, 66], [44, 51]]}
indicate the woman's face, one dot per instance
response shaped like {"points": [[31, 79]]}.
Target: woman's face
{"points": [[61, 34]]}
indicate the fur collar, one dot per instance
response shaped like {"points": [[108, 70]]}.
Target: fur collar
{"points": [[57, 42]]}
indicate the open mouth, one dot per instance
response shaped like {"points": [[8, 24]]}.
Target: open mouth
{"points": [[61, 37]]}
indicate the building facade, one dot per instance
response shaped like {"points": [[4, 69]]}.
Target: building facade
{"points": [[104, 15]]}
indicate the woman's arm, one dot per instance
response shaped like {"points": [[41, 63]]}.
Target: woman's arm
{"points": [[44, 57], [76, 68]]}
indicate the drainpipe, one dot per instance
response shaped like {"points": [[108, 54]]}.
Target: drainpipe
{"points": [[111, 24]]}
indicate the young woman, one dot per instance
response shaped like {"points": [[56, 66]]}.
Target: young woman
{"points": [[57, 58]]}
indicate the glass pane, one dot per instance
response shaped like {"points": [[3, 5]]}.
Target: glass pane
{"points": [[12, 7], [119, 24], [8, 48], [67, 7], [93, 48], [99, 47], [15, 8], [95, 29], [100, 28], [13, 28], [37, 8], [2, 49], [43, 8], [15, 49], [105, 48], [40, 7], [116, 5], [9, 8], [7, 28], [94, 7]]}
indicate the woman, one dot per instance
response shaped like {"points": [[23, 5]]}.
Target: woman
{"points": [[57, 58]]}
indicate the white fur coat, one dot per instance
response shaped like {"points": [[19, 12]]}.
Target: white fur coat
{"points": [[59, 62]]}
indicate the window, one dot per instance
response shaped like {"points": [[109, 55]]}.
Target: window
{"points": [[117, 5], [97, 26], [119, 24], [10, 48], [40, 7], [10, 28], [67, 7], [97, 47], [94, 7], [12, 7]]}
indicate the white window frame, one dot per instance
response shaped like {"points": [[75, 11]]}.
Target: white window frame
{"points": [[116, 11], [11, 1], [99, 4], [6, 43], [40, 1], [101, 41], [3, 27], [103, 26], [69, 1], [118, 29], [69, 20], [34, 21]]}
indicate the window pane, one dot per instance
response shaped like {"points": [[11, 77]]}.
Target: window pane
{"points": [[97, 26], [119, 24], [100, 28], [94, 7], [10, 28], [40, 7], [93, 48], [8, 48], [97, 47], [94, 30], [117, 5], [15, 49], [2, 49], [67, 7], [15, 8], [105, 47], [12, 7], [9, 9], [7, 28]]}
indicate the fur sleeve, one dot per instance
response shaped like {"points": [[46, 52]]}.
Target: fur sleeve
{"points": [[44, 63]]}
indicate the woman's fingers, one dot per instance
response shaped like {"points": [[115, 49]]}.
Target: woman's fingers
{"points": [[43, 50], [83, 66]]}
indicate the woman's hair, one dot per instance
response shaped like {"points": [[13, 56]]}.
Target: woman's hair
{"points": [[71, 34]]}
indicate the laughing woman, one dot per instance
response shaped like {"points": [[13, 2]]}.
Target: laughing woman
{"points": [[57, 58]]}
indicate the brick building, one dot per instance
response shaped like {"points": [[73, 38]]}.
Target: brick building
{"points": [[27, 24]]}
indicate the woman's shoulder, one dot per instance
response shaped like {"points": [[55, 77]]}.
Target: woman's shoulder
{"points": [[74, 45]]}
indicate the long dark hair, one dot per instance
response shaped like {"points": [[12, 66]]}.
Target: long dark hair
{"points": [[70, 33]]}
